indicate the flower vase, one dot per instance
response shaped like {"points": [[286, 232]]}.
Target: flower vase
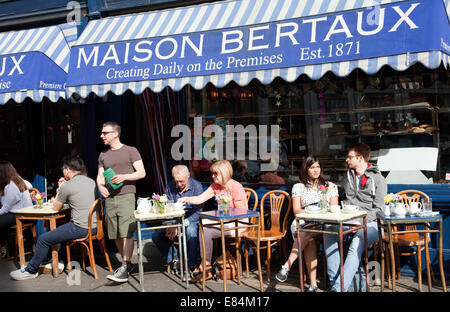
{"points": [[40, 203], [323, 202], [160, 207], [225, 207]]}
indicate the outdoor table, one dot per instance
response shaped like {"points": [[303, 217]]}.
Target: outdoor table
{"points": [[35, 213], [388, 222], [233, 215], [340, 218], [176, 215]]}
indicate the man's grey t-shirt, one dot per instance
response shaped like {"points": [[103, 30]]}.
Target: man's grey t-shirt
{"points": [[79, 193], [121, 161]]}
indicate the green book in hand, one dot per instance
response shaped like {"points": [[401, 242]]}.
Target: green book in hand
{"points": [[109, 174]]}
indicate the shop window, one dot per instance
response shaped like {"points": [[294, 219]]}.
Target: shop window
{"points": [[386, 110], [12, 135]]}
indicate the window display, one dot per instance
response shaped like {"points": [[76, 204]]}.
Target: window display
{"points": [[386, 110]]}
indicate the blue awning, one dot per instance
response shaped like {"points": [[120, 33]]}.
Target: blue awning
{"points": [[34, 63], [241, 40]]}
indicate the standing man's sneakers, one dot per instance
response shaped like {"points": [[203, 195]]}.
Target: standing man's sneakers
{"points": [[120, 275], [282, 275], [22, 274]]}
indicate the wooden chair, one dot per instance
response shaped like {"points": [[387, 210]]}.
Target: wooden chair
{"points": [[278, 226], [416, 240], [87, 241]]}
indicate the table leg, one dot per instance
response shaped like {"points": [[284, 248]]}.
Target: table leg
{"points": [[380, 239], [54, 250], [238, 252], [202, 236], [141, 269], [19, 233], [427, 256], [258, 254], [224, 256], [341, 252], [441, 264], [180, 249], [392, 256], [185, 253], [366, 254], [300, 258]]}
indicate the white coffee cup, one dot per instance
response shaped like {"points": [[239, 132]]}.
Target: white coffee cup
{"points": [[350, 208], [335, 208]]}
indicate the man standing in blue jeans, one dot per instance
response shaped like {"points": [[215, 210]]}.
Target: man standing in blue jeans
{"points": [[79, 191], [181, 186], [366, 188]]}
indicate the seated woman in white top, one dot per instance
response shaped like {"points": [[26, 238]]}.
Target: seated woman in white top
{"points": [[306, 193]]}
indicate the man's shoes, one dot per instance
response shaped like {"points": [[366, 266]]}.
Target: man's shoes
{"points": [[47, 268], [130, 268], [282, 275], [120, 275], [312, 288], [22, 274], [175, 266]]}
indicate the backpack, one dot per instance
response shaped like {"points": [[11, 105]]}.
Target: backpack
{"points": [[231, 267]]}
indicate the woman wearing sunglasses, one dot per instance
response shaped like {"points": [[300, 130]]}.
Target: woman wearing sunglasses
{"points": [[223, 184]]}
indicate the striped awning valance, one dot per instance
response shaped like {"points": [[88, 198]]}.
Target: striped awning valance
{"points": [[112, 53], [34, 63]]}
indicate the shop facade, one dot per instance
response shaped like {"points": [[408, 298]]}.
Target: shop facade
{"points": [[327, 74]]}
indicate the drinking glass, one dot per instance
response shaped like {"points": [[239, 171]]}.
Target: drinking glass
{"points": [[427, 206]]}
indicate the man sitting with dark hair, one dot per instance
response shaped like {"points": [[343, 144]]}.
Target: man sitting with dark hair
{"points": [[366, 188], [79, 192]]}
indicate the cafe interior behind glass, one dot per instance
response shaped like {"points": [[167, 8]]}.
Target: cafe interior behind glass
{"points": [[387, 110]]}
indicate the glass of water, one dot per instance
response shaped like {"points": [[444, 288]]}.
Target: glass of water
{"points": [[427, 206]]}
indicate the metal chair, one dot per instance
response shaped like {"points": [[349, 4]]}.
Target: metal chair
{"points": [[278, 226], [410, 240], [87, 241]]}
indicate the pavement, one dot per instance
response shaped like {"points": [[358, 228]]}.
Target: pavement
{"points": [[156, 279]]}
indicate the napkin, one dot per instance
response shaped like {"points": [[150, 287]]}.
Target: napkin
{"points": [[109, 174]]}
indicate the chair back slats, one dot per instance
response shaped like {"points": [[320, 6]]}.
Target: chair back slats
{"points": [[276, 201], [100, 233], [250, 192], [409, 196], [97, 206]]}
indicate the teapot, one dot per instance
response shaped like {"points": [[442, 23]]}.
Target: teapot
{"points": [[143, 204], [399, 210]]}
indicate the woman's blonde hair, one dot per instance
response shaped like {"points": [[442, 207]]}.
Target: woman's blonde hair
{"points": [[225, 169]]}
